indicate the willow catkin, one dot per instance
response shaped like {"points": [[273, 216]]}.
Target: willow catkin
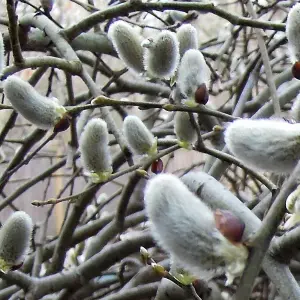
{"points": [[188, 38], [185, 227], [95, 154], [184, 129], [139, 138], [127, 43], [162, 55], [193, 77], [269, 145], [42, 111], [15, 238]]}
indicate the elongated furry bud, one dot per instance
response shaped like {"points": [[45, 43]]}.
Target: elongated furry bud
{"points": [[93, 144], [43, 112], [162, 55], [2, 58], [184, 129], [15, 237], [187, 37], [270, 145], [140, 139], [185, 227], [193, 73], [293, 33], [127, 43]]}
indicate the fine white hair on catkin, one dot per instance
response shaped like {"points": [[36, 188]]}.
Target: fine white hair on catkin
{"points": [[269, 145], [127, 42], [15, 238], [293, 33], [185, 227], [183, 127], [42, 111], [188, 38]]}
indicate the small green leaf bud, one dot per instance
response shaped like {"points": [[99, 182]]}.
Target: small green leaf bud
{"points": [[95, 155], [43, 112], [162, 55], [127, 43], [140, 140], [15, 238]]}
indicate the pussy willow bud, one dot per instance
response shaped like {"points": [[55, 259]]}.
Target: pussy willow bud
{"points": [[127, 43], [82, 120], [193, 78], [15, 237], [140, 140], [162, 55], [270, 145], [185, 227], [2, 58], [187, 37], [184, 129], [177, 15], [43, 112], [293, 206], [93, 145], [293, 33], [47, 5]]}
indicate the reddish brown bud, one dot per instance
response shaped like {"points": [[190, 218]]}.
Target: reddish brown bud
{"points": [[201, 94], [16, 267], [157, 166], [229, 225], [63, 124], [296, 70]]}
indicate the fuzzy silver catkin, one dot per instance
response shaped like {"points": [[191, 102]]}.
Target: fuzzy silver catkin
{"points": [[185, 227], [37, 109], [192, 72], [93, 145], [140, 140], [162, 55], [127, 43], [2, 58], [15, 238], [269, 145], [184, 129], [293, 33], [187, 37]]}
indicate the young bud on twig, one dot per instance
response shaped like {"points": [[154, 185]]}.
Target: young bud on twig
{"points": [[2, 58], [293, 33], [185, 227], [15, 237], [93, 144], [127, 43], [140, 140], [293, 206], [187, 37], [162, 55], [270, 145], [43, 112], [184, 129], [193, 78]]}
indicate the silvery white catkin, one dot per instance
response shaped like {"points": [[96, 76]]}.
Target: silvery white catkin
{"points": [[82, 120], [43, 112], [269, 145], [127, 43], [293, 33], [93, 145], [2, 58], [187, 37], [140, 140], [184, 129], [162, 55], [185, 227], [15, 238], [192, 73]]}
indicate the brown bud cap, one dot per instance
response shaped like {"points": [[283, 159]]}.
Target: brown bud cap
{"points": [[201, 94], [296, 70], [63, 124], [157, 166], [16, 267], [229, 225]]}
